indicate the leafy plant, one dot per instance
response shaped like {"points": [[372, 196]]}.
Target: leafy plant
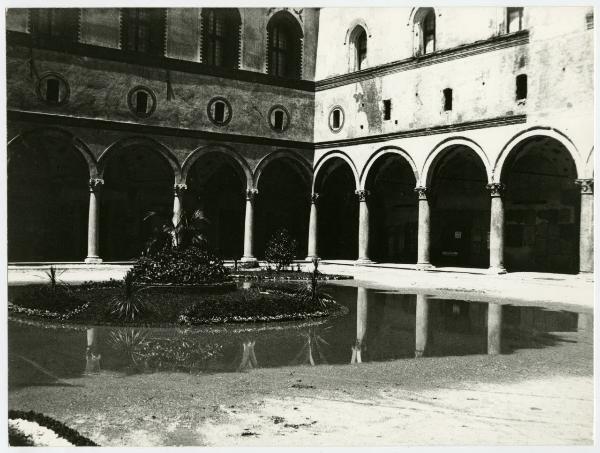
{"points": [[281, 250], [129, 343], [130, 306], [191, 230], [190, 265]]}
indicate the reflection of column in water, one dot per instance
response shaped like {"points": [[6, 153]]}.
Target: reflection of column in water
{"points": [[421, 325], [584, 321], [494, 323], [248, 357], [361, 325], [92, 357]]}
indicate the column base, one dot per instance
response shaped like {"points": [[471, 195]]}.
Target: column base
{"points": [[362, 261], [309, 258], [424, 266], [249, 259], [497, 270], [93, 260]]}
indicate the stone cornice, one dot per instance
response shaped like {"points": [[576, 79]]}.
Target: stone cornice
{"points": [[441, 56], [493, 122], [14, 38]]}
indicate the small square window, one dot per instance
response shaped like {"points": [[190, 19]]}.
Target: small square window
{"points": [[219, 112], [521, 86], [448, 99], [52, 90], [141, 102], [387, 109]]}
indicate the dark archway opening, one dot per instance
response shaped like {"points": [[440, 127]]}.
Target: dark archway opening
{"points": [[216, 187], [542, 206], [48, 198], [283, 201], [460, 210], [337, 212], [137, 181], [393, 209]]}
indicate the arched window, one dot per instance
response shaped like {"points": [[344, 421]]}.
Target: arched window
{"points": [[284, 46], [358, 49], [55, 23], [143, 30], [221, 37], [424, 30], [514, 19]]}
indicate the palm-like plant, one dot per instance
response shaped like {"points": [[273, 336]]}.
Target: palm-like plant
{"points": [[191, 229], [130, 306]]}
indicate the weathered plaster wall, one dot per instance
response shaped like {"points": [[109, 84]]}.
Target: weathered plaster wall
{"points": [[99, 89]]}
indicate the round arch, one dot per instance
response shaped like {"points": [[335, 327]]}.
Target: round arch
{"points": [[358, 22], [141, 141], [442, 147], [589, 164], [231, 154], [521, 137], [298, 163], [289, 18], [364, 176], [332, 155], [76, 142]]}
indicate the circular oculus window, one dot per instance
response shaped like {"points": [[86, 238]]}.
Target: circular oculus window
{"points": [[142, 101], [279, 118], [53, 89], [219, 111], [336, 119]]}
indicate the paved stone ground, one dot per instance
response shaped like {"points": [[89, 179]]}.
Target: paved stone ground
{"points": [[535, 288]]}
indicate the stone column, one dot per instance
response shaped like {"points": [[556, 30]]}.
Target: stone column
{"points": [[363, 227], [92, 356], [497, 228], [179, 190], [424, 236], [361, 324], [586, 226], [249, 228], [96, 185], [494, 328], [312, 229], [421, 325]]}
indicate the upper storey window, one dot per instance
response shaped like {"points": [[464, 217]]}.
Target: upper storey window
{"points": [[284, 46], [221, 37], [358, 42], [514, 19], [57, 23], [424, 29], [143, 30]]}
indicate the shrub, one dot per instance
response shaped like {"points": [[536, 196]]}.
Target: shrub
{"points": [[281, 250], [268, 303], [129, 306], [190, 265]]}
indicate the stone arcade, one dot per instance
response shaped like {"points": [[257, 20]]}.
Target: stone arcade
{"points": [[439, 137]]}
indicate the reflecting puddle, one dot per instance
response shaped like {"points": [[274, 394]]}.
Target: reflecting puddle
{"points": [[379, 326]]}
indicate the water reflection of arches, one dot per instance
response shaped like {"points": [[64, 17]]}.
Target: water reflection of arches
{"points": [[47, 196]]}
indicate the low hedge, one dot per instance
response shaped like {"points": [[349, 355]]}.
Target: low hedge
{"points": [[256, 305], [59, 428], [265, 274]]}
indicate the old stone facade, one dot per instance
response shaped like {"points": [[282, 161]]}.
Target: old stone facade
{"points": [[443, 136]]}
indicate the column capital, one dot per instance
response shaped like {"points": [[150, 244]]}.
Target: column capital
{"points": [[96, 184], [422, 192], [314, 197], [251, 194], [362, 194], [179, 189], [496, 189], [586, 185]]}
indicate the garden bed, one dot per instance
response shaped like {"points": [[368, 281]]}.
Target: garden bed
{"points": [[31, 429], [168, 305], [265, 274]]}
